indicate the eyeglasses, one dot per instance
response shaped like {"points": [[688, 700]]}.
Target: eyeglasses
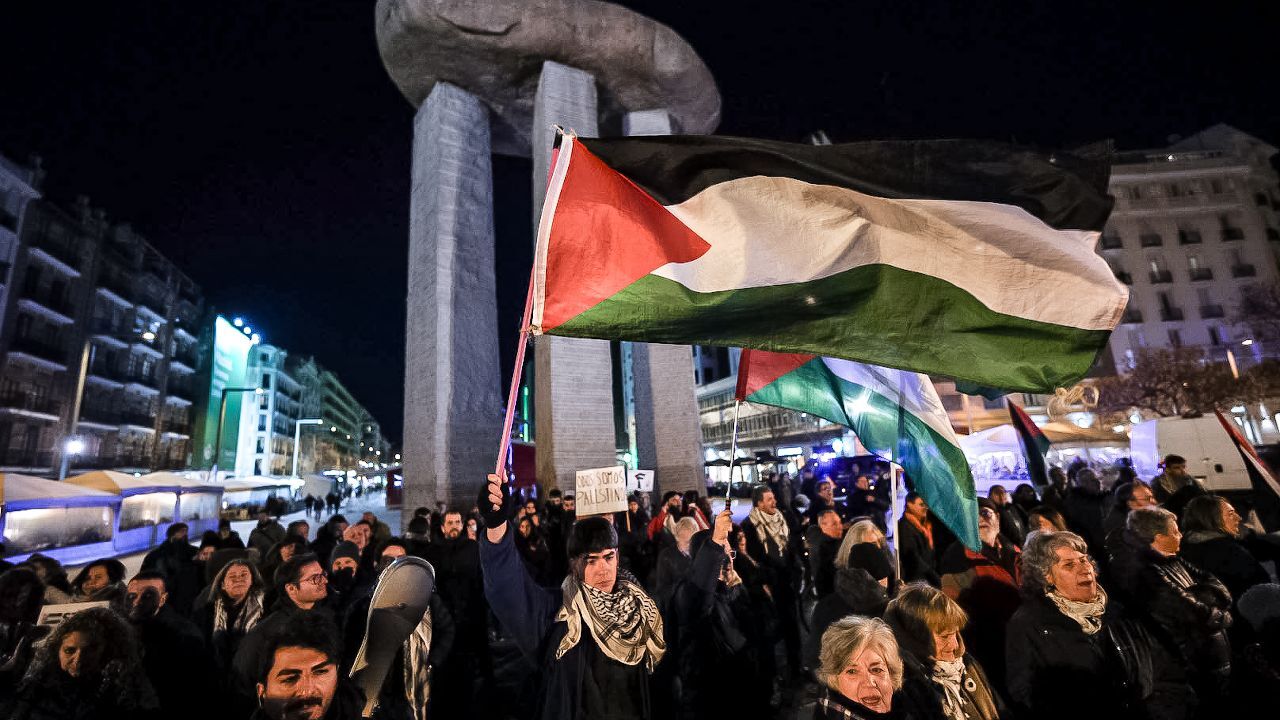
{"points": [[318, 579], [987, 513]]}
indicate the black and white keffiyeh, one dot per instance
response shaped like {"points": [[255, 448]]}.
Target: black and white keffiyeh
{"points": [[625, 623]]}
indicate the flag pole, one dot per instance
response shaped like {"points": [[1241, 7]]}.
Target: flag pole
{"points": [[893, 518], [516, 373], [733, 455]]}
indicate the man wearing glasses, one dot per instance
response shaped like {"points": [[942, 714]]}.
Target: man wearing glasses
{"points": [[303, 588]]}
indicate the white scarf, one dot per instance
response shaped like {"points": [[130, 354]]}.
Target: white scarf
{"points": [[770, 526], [417, 673], [625, 623], [249, 615], [949, 675], [1087, 614]]}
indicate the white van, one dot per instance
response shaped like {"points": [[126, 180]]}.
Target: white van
{"points": [[1212, 458]]}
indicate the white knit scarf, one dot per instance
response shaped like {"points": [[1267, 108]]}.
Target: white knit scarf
{"points": [[1087, 614], [625, 623], [770, 526], [949, 675]]}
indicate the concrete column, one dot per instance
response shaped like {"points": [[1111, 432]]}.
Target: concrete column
{"points": [[668, 435], [573, 378], [452, 403]]}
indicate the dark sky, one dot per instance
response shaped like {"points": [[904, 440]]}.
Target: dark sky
{"points": [[260, 144]]}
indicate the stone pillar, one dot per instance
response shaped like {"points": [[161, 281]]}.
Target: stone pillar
{"points": [[573, 378], [668, 433], [452, 403]]}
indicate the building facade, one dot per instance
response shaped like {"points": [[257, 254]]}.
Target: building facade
{"points": [[1194, 225], [268, 421], [98, 343]]}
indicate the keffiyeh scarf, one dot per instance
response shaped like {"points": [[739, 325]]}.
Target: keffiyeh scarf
{"points": [[770, 527], [417, 672], [949, 675], [625, 623], [245, 621], [1087, 614]]}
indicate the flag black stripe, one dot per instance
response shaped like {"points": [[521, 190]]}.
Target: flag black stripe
{"points": [[1065, 190]]}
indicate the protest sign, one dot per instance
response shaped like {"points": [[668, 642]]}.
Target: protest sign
{"points": [[639, 481], [53, 615], [601, 490]]}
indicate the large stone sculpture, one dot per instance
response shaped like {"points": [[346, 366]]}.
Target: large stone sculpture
{"points": [[520, 67]]}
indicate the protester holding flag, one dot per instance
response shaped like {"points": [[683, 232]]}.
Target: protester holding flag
{"points": [[596, 639]]}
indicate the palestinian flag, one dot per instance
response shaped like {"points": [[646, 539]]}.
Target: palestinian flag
{"points": [[1259, 474], [968, 259], [1034, 443], [889, 410]]}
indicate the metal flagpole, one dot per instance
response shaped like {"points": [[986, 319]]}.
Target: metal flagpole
{"points": [[893, 518], [733, 455], [516, 373]]}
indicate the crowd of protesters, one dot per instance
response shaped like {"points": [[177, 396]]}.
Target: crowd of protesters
{"points": [[1156, 601]]}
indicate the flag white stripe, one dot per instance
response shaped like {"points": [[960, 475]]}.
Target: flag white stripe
{"points": [[767, 231], [913, 391]]}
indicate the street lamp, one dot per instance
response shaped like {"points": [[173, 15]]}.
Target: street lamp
{"points": [[297, 438], [222, 416]]}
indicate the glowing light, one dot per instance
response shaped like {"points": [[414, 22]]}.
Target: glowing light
{"points": [[256, 338], [1247, 343], [75, 446], [1117, 428], [148, 336], [248, 330], [837, 446], [397, 456], [238, 322]]}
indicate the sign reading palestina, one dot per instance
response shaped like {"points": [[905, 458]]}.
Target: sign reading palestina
{"points": [[601, 491]]}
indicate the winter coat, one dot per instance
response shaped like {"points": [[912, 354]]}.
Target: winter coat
{"points": [[916, 556], [985, 584], [822, 560], [584, 679], [1187, 607], [923, 698], [178, 664], [458, 580], [62, 697], [1013, 523], [842, 708], [1084, 511], [182, 577], [709, 645], [1056, 670], [1226, 559], [855, 593], [263, 537], [672, 565]]}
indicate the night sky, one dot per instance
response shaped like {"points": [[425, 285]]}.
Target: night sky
{"points": [[261, 145]]}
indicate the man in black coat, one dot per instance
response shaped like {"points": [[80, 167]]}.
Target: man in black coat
{"points": [[773, 542], [175, 560], [175, 657], [917, 556], [467, 669]]}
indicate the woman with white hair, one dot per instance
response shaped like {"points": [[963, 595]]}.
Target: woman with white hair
{"points": [[1068, 650], [860, 670], [674, 561]]}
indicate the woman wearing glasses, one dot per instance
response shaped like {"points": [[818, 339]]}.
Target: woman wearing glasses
{"points": [[1071, 653]]}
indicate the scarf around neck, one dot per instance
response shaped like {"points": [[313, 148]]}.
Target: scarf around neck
{"points": [[625, 623], [245, 620], [1087, 614], [770, 527], [925, 527], [949, 675]]}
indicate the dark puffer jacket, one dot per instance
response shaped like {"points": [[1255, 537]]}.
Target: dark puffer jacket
{"points": [[856, 593], [1188, 607], [1056, 670], [1226, 559]]}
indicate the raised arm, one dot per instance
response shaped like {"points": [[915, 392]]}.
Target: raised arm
{"points": [[525, 609]]}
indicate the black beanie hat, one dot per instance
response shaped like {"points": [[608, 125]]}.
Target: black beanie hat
{"points": [[591, 535], [869, 557], [345, 548]]}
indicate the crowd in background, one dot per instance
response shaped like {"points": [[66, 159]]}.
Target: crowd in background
{"points": [[1155, 600]]}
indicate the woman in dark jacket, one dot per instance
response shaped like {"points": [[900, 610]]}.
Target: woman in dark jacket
{"points": [[941, 681], [100, 581], [1070, 652], [236, 608], [1210, 541], [88, 668]]}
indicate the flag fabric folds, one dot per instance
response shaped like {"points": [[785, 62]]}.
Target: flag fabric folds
{"points": [[969, 259], [1259, 474], [1034, 443], [889, 410]]}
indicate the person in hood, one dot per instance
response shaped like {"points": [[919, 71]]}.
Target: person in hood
{"points": [[345, 582], [597, 639], [236, 607], [174, 558], [174, 655], [100, 580], [227, 537], [88, 668], [941, 681]]}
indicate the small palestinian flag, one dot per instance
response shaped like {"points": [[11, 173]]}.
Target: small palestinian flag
{"points": [[968, 259], [1034, 443], [889, 410]]}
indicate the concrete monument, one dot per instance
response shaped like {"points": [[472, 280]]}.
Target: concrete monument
{"points": [[494, 77]]}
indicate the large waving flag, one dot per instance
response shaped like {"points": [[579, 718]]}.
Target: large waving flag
{"points": [[887, 409], [972, 260]]}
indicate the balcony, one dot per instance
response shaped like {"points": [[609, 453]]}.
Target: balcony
{"points": [[138, 419], [57, 250], [8, 220], [60, 309], [1111, 242], [26, 403], [1189, 237], [51, 352], [186, 356], [117, 286], [1243, 270], [1200, 273], [1160, 277], [1124, 277], [1170, 314], [177, 427], [181, 390], [1231, 233], [99, 416], [1132, 316], [1150, 240], [1210, 311], [147, 383], [26, 458]]}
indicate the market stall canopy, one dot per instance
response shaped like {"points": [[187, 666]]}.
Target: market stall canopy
{"points": [[182, 482], [1004, 438], [20, 492], [123, 484]]}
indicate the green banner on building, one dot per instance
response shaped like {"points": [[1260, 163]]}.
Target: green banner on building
{"points": [[229, 361]]}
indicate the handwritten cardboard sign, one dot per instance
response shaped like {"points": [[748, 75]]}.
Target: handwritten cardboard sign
{"points": [[640, 481], [601, 491]]}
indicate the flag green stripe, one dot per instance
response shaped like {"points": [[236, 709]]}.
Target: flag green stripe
{"points": [[936, 466], [861, 315]]}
